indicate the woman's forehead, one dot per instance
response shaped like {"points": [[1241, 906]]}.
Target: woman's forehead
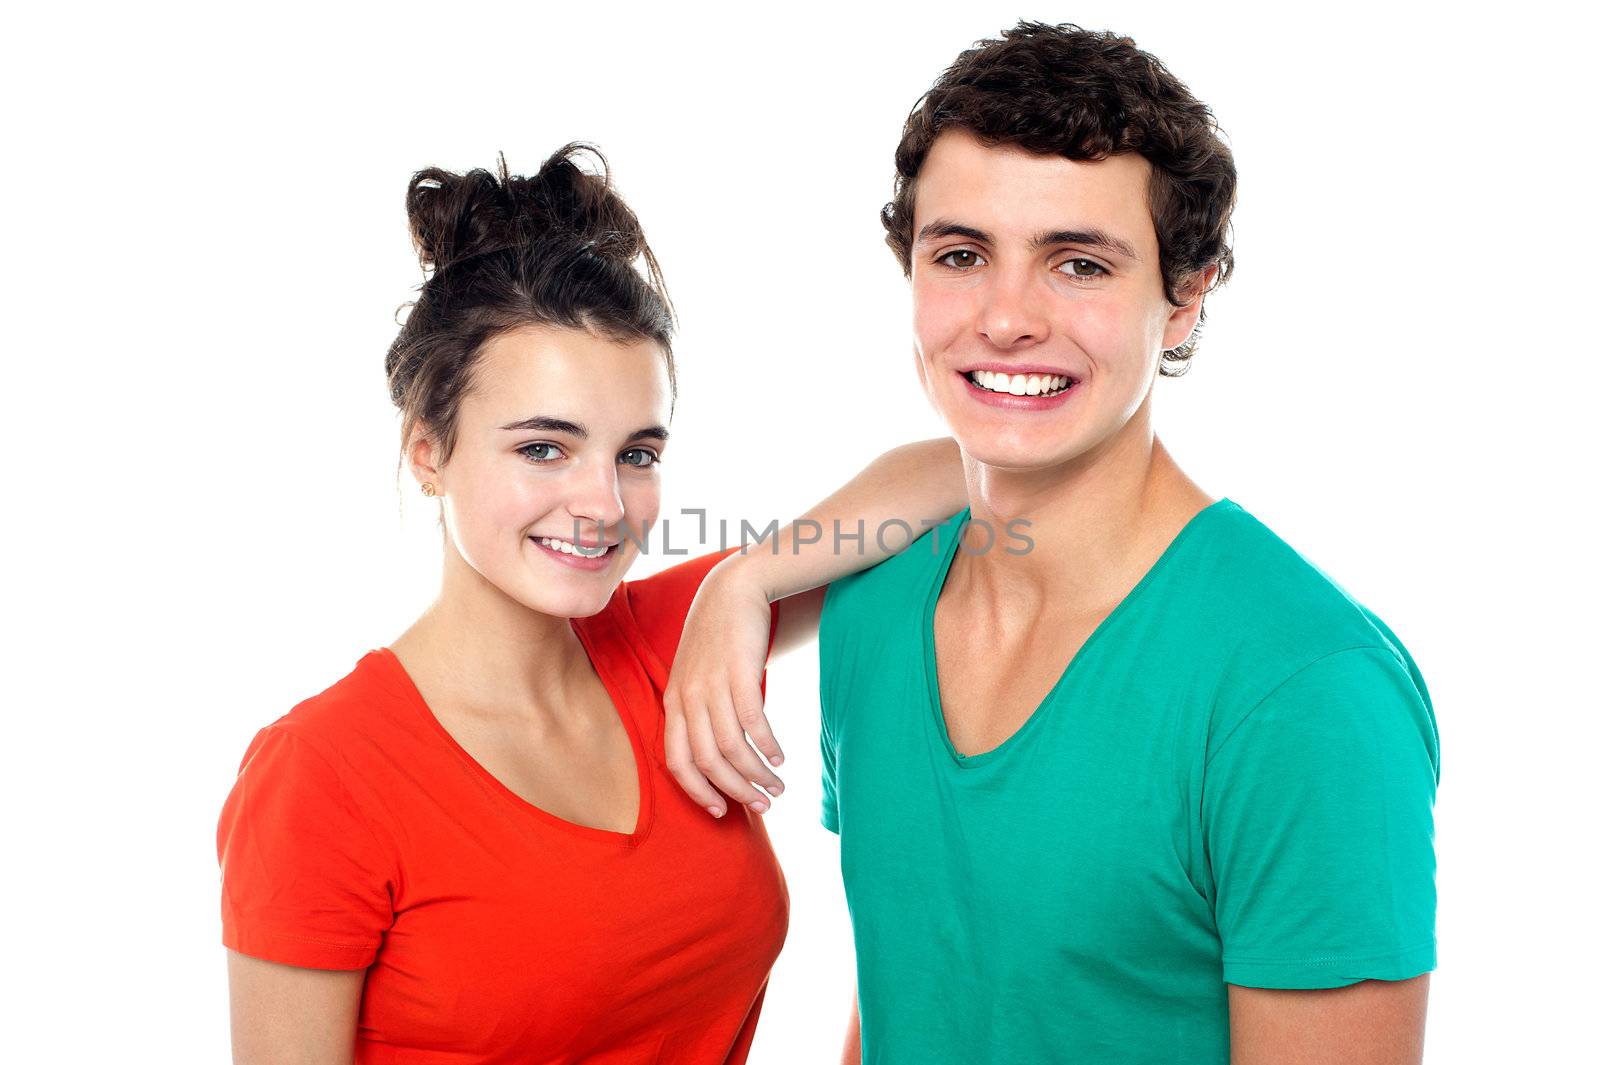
{"points": [[571, 374]]}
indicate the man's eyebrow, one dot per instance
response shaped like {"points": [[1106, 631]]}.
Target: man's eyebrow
{"points": [[546, 424], [1092, 237], [940, 228]]}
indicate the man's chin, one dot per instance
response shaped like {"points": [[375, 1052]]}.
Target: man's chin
{"points": [[1018, 456]]}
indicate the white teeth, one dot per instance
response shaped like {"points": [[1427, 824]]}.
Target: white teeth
{"points": [[1020, 384], [567, 547]]}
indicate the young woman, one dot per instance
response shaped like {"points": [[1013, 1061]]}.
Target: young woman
{"points": [[470, 848]]}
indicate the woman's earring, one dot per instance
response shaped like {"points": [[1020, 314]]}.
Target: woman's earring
{"points": [[428, 489]]}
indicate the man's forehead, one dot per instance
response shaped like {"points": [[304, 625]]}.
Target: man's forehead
{"points": [[1007, 189]]}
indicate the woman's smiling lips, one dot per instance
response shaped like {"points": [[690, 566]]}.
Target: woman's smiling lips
{"points": [[577, 556]]}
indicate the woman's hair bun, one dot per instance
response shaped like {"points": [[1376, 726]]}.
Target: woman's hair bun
{"points": [[456, 217], [558, 249]]}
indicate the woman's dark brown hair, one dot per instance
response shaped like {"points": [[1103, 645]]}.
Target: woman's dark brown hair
{"points": [[557, 248], [1063, 90]]}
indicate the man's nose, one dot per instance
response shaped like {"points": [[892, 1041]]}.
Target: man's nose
{"points": [[1010, 315]]}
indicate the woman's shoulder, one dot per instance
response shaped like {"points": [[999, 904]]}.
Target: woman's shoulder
{"points": [[351, 714], [337, 757], [662, 599], [305, 842], [651, 610]]}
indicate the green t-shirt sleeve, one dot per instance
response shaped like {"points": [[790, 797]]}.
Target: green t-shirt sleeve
{"points": [[830, 783], [827, 674], [1317, 814]]}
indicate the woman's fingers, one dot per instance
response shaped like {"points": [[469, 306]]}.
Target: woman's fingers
{"points": [[706, 750], [753, 720], [710, 761], [728, 727], [680, 760], [714, 711]]}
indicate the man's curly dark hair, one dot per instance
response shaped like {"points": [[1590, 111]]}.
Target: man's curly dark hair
{"points": [[1063, 90]]}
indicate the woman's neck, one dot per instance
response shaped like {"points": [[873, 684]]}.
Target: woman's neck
{"points": [[481, 649]]}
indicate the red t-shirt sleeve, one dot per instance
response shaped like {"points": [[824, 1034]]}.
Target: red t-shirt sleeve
{"points": [[660, 603], [304, 881]]}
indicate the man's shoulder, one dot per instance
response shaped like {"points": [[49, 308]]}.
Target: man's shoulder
{"points": [[1275, 608], [895, 586]]}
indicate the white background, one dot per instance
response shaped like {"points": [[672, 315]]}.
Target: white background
{"points": [[205, 250]]}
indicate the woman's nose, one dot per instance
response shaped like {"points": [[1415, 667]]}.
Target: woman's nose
{"points": [[596, 501]]}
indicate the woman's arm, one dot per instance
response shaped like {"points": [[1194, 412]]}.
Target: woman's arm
{"points": [[286, 1015], [713, 697], [914, 485]]}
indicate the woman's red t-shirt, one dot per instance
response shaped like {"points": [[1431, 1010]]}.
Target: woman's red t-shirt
{"points": [[359, 834]]}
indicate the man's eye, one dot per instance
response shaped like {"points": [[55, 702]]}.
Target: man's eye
{"points": [[638, 456], [540, 452], [961, 259], [1090, 268]]}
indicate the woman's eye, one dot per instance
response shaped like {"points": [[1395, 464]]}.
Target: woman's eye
{"points": [[961, 259], [540, 452], [638, 456], [1089, 268]]}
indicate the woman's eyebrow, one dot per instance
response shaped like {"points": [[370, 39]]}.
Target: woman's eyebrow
{"points": [[546, 424], [543, 423]]}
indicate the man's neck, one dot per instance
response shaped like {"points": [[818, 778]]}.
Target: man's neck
{"points": [[1096, 526]]}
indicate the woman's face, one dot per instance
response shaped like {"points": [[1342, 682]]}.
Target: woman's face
{"points": [[553, 480]]}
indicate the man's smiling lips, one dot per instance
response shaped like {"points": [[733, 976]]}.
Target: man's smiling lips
{"points": [[1018, 387]]}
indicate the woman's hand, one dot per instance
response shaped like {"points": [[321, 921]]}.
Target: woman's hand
{"points": [[713, 697]]}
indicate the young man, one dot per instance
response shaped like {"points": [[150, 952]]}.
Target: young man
{"points": [[1148, 787]]}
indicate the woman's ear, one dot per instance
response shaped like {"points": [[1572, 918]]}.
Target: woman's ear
{"points": [[422, 455]]}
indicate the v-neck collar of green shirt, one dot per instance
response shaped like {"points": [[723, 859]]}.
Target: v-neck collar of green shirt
{"points": [[958, 525]]}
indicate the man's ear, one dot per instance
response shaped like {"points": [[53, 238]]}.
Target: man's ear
{"points": [[1180, 323]]}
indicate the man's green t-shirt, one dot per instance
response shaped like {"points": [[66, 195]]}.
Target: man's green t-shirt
{"points": [[1232, 782]]}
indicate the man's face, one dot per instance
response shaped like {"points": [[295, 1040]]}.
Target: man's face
{"points": [[1046, 271]]}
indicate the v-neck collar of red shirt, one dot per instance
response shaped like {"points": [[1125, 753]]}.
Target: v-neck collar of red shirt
{"points": [[606, 645]]}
